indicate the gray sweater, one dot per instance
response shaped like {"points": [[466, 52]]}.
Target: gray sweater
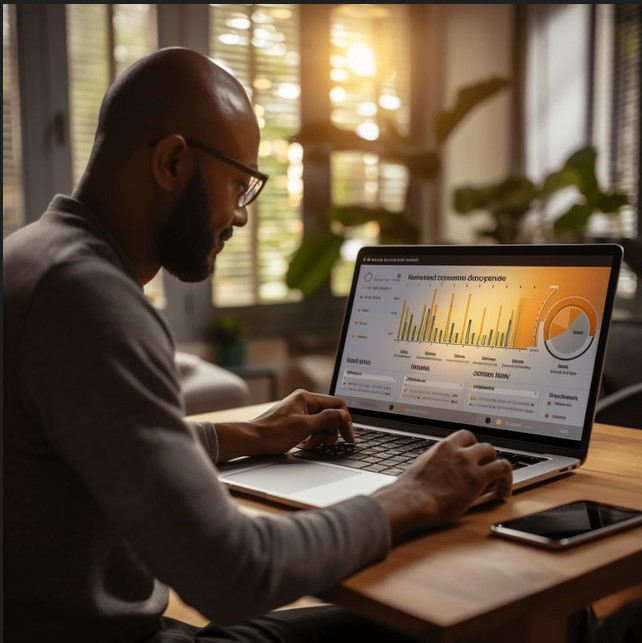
{"points": [[110, 496]]}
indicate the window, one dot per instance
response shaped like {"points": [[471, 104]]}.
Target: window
{"points": [[369, 70], [615, 126], [12, 205], [259, 44], [103, 40], [370, 73]]}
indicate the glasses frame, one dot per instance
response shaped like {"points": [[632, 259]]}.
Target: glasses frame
{"points": [[252, 192]]}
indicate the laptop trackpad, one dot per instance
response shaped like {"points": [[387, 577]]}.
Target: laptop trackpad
{"points": [[290, 477]]}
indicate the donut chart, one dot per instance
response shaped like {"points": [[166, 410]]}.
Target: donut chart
{"points": [[570, 328]]}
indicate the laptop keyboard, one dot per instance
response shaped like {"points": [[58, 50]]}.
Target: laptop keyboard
{"points": [[388, 453]]}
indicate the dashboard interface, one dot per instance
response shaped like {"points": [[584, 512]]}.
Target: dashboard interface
{"points": [[509, 347]]}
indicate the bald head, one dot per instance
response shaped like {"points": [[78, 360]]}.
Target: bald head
{"points": [[152, 177], [173, 90]]}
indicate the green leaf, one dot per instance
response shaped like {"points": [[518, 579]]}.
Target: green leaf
{"points": [[311, 264], [355, 215], [468, 98], [398, 229], [583, 162], [559, 180], [611, 202], [574, 219], [514, 196], [468, 199]]}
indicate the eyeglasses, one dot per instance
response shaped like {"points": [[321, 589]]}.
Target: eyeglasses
{"points": [[258, 180]]}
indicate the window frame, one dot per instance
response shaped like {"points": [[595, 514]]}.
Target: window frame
{"points": [[44, 101]]}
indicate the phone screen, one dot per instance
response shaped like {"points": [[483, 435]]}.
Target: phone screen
{"points": [[570, 523]]}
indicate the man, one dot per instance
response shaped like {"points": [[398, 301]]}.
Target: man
{"points": [[110, 495]]}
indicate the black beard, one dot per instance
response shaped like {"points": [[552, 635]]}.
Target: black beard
{"points": [[187, 240]]}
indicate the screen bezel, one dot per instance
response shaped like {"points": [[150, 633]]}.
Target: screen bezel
{"points": [[599, 254]]}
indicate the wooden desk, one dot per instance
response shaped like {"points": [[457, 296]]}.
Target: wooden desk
{"points": [[461, 584]]}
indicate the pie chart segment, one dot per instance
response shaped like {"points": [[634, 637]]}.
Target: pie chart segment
{"points": [[570, 331]]}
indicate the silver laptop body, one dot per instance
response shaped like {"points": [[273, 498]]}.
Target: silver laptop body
{"points": [[506, 341]]}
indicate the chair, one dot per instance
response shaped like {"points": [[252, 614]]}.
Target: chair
{"points": [[620, 399], [624, 407], [207, 387]]}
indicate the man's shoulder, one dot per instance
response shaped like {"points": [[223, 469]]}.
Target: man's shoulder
{"points": [[52, 240], [57, 248]]}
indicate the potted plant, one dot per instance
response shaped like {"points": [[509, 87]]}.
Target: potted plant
{"points": [[227, 334], [510, 200], [311, 264]]}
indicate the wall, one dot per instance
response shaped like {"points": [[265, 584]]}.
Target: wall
{"points": [[476, 43]]}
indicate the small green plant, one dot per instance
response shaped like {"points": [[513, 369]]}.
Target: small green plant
{"points": [[511, 199], [312, 263], [228, 336]]}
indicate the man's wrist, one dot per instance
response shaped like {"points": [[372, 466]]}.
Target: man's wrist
{"points": [[236, 439]]}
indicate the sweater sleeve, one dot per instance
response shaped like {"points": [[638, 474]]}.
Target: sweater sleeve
{"points": [[207, 435], [98, 371]]}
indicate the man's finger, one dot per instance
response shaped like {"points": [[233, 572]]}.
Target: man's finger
{"points": [[334, 421], [499, 474], [483, 452]]}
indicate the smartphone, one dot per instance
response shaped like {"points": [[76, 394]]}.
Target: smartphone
{"points": [[568, 525]]}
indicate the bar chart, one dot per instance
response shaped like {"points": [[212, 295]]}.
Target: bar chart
{"points": [[501, 320]]}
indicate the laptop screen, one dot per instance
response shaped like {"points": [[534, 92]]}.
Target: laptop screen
{"points": [[507, 339]]}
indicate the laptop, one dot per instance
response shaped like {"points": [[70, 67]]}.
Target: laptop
{"points": [[507, 341]]}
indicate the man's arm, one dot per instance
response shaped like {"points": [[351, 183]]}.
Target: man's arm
{"points": [[99, 379], [442, 484], [302, 417]]}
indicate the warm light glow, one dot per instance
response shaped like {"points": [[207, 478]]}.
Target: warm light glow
{"points": [[295, 153], [341, 116], [370, 159], [338, 61], [262, 83], [339, 75], [280, 13], [238, 21], [270, 49], [390, 101], [266, 32], [369, 131], [280, 147], [259, 110], [265, 148], [350, 249], [371, 172], [232, 39], [361, 60], [338, 94], [261, 122], [366, 108], [289, 91], [371, 189]]}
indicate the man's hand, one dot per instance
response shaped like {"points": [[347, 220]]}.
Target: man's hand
{"points": [[301, 418], [444, 482]]}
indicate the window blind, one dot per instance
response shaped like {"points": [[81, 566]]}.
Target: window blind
{"points": [[370, 72], [259, 44], [102, 41], [12, 203]]}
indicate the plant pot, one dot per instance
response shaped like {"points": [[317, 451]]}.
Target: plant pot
{"points": [[231, 354]]}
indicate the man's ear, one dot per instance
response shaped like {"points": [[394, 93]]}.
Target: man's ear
{"points": [[171, 164]]}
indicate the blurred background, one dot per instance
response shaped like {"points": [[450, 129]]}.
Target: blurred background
{"points": [[422, 123]]}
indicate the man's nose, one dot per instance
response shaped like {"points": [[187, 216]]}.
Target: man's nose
{"points": [[240, 217]]}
